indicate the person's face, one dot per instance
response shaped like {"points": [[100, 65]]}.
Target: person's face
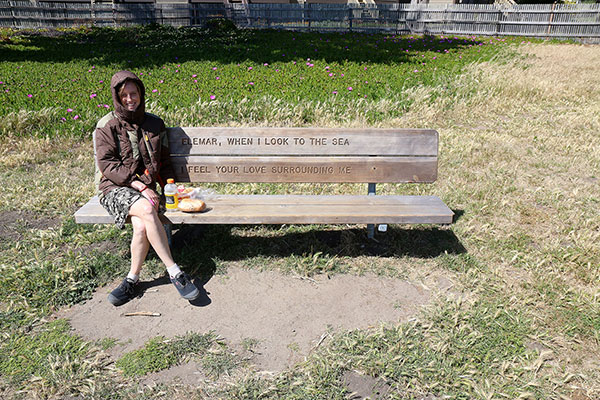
{"points": [[130, 96]]}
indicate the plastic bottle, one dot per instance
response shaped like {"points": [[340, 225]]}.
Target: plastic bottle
{"points": [[171, 197]]}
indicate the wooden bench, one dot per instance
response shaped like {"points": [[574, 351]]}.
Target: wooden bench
{"points": [[293, 155]]}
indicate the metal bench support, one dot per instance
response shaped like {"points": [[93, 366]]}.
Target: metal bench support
{"points": [[371, 227]]}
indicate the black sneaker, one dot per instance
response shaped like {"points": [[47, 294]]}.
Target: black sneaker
{"points": [[126, 291], [185, 286]]}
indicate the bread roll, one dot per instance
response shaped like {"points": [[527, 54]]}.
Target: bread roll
{"points": [[191, 205]]}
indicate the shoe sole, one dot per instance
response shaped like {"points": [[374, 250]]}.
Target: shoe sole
{"points": [[115, 301], [192, 296]]}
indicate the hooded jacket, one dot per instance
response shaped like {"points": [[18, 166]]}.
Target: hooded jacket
{"points": [[130, 145]]}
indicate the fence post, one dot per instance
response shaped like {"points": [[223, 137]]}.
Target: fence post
{"points": [[350, 13], [93, 12], [550, 19], [445, 20], [499, 20], [12, 14], [114, 14]]}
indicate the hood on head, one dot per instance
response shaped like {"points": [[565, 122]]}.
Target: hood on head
{"points": [[118, 79]]}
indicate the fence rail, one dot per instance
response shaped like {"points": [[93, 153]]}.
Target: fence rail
{"points": [[580, 21]]}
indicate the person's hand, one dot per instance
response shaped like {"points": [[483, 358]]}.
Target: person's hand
{"points": [[152, 197]]}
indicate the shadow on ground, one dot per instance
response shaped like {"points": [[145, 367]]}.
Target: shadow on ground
{"points": [[206, 246]]}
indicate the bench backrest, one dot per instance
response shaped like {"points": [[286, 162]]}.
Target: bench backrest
{"points": [[319, 155]]}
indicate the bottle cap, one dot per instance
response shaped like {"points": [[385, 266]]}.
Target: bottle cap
{"points": [[170, 180]]}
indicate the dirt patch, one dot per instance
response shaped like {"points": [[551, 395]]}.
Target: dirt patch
{"points": [[13, 223], [284, 316], [364, 386]]}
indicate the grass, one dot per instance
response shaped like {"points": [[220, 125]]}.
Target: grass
{"points": [[160, 353], [519, 164]]}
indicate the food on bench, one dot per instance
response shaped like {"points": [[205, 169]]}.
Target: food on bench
{"points": [[184, 192], [191, 205]]}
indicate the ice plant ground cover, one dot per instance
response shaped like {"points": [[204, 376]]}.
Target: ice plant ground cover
{"points": [[67, 78], [519, 162]]}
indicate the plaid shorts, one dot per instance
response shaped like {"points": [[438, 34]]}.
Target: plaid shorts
{"points": [[118, 202]]}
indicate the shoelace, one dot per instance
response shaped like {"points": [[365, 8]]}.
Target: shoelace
{"points": [[181, 279], [128, 287]]}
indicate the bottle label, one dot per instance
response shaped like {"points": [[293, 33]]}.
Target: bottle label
{"points": [[171, 201]]}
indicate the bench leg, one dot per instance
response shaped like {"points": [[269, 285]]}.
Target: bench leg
{"points": [[370, 231], [371, 227], [169, 231]]}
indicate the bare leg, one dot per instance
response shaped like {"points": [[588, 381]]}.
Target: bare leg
{"points": [[139, 245], [155, 233]]}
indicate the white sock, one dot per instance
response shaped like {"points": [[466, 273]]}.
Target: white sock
{"points": [[133, 277], [173, 270]]}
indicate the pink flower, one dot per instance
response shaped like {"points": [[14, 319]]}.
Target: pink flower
{"points": [[76, 117], [217, 78], [251, 83], [249, 68], [63, 119], [93, 95], [331, 74], [350, 88], [30, 95], [154, 90], [266, 64], [214, 68], [106, 106], [161, 81], [341, 74], [212, 97], [69, 110], [193, 76], [416, 70], [334, 92]]}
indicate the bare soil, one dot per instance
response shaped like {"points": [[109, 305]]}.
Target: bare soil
{"points": [[285, 316], [14, 223]]}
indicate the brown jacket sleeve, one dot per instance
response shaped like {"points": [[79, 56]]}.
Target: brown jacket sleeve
{"points": [[108, 158]]}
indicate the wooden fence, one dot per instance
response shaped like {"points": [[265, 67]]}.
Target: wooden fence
{"points": [[581, 21]]}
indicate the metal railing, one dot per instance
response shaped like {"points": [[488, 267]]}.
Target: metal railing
{"points": [[580, 21]]}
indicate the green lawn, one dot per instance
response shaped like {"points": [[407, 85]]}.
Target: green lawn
{"points": [[519, 164]]}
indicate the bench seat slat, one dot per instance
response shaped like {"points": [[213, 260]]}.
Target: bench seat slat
{"points": [[300, 209]]}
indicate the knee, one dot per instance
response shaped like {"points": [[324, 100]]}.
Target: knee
{"points": [[147, 211]]}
